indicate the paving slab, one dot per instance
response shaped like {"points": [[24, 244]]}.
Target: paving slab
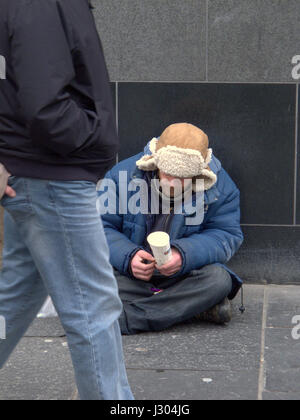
{"points": [[281, 396], [256, 39], [281, 349], [153, 40], [39, 369], [201, 345], [193, 385], [46, 327], [193, 361], [282, 361], [283, 305]]}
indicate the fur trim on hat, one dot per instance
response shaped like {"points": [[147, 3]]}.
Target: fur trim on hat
{"points": [[179, 162], [209, 178], [147, 162]]}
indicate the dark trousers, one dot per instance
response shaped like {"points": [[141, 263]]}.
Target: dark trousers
{"points": [[180, 300]]}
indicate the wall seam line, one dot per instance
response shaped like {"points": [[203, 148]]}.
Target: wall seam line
{"points": [[296, 155], [216, 82], [117, 114], [262, 375], [268, 225], [207, 40]]}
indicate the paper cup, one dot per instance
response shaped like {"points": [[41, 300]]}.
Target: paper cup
{"points": [[161, 248]]}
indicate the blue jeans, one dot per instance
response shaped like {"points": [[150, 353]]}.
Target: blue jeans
{"points": [[54, 244]]}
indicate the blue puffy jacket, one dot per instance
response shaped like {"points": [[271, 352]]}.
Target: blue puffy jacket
{"points": [[214, 241]]}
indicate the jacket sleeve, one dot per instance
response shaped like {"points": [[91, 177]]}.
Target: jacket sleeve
{"points": [[221, 236], [122, 249], [42, 63]]}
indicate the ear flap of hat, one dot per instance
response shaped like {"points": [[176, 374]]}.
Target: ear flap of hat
{"points": [[210, 179], [148, 162]]}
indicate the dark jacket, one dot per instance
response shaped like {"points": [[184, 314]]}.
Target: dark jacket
{"points": [[214, 241], [56, 112]]}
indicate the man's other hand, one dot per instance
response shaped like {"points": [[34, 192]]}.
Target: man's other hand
{"points": [[10, 192], [173, 266], [4, 188], [139, 269]]}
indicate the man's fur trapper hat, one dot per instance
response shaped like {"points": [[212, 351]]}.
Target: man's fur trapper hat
{"points": [[182, 152]]}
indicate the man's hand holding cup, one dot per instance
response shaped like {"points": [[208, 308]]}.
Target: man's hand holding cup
{"points": [[143, 265], [173, 266]]}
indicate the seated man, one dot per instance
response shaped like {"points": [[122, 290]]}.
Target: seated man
{"points": [[194, 284]]}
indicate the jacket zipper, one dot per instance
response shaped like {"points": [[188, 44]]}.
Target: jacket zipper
{"points": [[168, 218]]}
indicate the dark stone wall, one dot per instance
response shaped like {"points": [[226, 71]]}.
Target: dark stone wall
{"points": [[226, 66], [252, 131]]}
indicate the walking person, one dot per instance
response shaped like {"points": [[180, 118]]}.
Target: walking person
{"points": [[57, 139]]}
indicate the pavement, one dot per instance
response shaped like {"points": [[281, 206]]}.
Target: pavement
{"points": [[255, 357]]}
